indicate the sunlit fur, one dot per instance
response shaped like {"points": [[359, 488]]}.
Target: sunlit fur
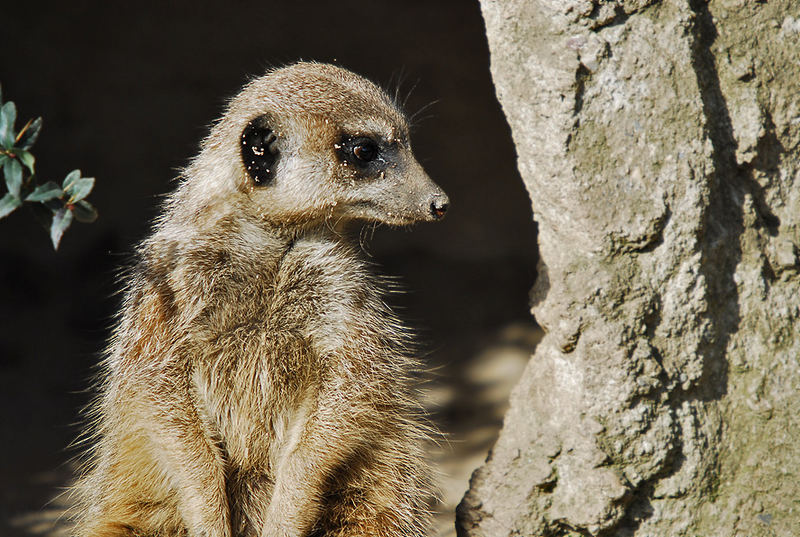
{"points": [[256, 384]]}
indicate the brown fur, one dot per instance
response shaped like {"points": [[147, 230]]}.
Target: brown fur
{"points": [[256, 383]]}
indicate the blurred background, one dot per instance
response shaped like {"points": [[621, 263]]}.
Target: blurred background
{"points": [[128, 91]]}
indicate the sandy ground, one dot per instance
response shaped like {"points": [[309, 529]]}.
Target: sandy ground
{"points": [[474, 399]]}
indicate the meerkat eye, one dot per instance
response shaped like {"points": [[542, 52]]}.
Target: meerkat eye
{"points": [[360, 151], [365, 150]]}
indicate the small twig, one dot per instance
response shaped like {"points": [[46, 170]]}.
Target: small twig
{"points": [[22, 131]]}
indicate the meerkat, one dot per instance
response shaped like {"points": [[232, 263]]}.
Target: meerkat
{"points": [[256, 383]]}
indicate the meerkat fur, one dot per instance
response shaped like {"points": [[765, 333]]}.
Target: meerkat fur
{"points": [[256, 383]]}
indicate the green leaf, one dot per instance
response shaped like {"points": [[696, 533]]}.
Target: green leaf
{"points": [[79, 188], [26, 158], [84, 212], [30, 136], [13, 173], [8, 115], [71, 177], [7, 205], [45, 192], [3, 159], [61, 221]]}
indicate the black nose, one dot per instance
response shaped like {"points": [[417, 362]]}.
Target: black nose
{"points": [[439, 207]]}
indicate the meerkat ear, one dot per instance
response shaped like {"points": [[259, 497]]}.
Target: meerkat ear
{"points": [[259, 151]]}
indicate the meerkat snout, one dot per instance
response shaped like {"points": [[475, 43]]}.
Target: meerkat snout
{"points": [[439, 206]]}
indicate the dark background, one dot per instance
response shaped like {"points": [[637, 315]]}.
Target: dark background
{"points": [[127, 92]]}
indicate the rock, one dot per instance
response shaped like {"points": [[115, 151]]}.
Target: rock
{"points": [[659, 144]]}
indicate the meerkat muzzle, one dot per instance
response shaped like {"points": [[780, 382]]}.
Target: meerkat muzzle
{"points": [[439, 206]]}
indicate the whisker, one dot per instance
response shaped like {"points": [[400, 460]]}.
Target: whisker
{"points": [[401, 75], [416, 118], [408, 95]]}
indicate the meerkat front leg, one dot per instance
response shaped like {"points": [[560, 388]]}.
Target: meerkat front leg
{"points": [[156, 472], [324, 439], [199, 480], [194, 466], [189, 467]]}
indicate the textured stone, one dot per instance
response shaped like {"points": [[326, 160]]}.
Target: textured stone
{"points": [[659, 144]]}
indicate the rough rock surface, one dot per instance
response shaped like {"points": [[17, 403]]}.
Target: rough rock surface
{"points": [[659, 144]]}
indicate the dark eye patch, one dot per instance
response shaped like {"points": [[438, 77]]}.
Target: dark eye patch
{"points": [[259, 151]]}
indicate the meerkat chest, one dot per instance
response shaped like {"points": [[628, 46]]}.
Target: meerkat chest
{"points": [[255, 381], [266, 365]]}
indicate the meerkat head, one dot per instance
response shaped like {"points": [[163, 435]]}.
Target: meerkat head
{"points": [[310, 144]]}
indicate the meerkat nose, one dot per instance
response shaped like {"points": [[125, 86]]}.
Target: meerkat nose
{"points": [[439, 206]]}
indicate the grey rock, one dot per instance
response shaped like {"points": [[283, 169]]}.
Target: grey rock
{"points": [[659, 144]]}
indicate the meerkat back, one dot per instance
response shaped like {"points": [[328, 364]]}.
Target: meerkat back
{"points": [[256, 384]]}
